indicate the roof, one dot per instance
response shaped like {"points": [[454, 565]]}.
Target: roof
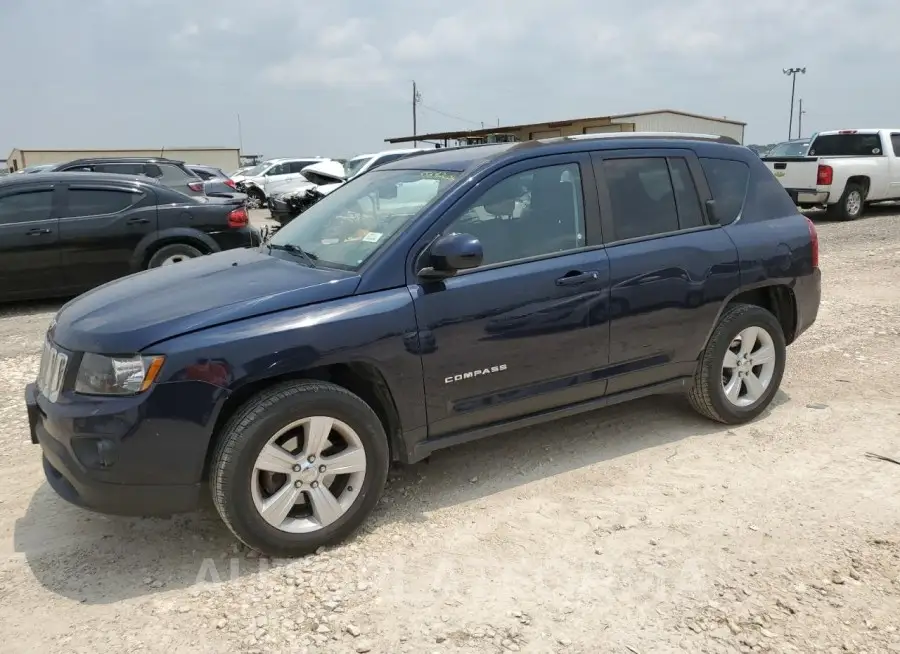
{"points": [[71, 176], [467, 157], [85, 160], [553, 124], [395, 151]]}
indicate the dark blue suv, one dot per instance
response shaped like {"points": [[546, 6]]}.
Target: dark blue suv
{"points": [[442, 298]]}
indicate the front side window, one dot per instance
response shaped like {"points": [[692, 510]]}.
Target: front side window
{"points": [[895, 144], [26, 206], [530, 214], [353, 166], [95, 202], [280, 169], [350, 224]]}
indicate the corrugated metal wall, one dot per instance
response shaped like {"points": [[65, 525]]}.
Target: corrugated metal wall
{"points": [[668, 122]]}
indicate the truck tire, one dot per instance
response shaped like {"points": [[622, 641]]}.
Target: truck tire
{"points": [[851, 204], [174, 253], [299, 466], [741, 367]]}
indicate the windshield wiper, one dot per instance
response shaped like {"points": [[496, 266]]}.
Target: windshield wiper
{"points": [[309, 257]]}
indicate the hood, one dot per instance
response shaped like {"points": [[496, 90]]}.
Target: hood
{"points": [[134, 312], [331, 169]]}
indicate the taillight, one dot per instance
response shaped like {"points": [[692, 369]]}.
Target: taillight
{"points": [[814, 239], [196, 187], [824, 175], [230, 182], [238, 218]]}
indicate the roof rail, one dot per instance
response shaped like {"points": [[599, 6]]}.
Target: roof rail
{"points": [[649, 135]]}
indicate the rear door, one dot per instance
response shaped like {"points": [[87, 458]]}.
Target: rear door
{"points": [[527, 331], [288, 176], [29, 241], [669, 268], [100, 227]]}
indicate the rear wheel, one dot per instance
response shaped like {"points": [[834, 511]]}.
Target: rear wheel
{"points": [[742, 366], [851, 204], [300, 466], [171, 254]]}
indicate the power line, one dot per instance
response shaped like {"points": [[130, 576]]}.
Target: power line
{"points": [[452, 116]]}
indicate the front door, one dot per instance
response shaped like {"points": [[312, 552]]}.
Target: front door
{"points": [[100, 227], [29, 241], [670, 270], [526, 331]]}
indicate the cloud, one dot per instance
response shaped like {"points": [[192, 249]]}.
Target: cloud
{"points": [[335, 77]]}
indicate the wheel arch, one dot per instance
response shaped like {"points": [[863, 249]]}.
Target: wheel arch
{"points": [[777, 299], [359, 377], [151, 245]]}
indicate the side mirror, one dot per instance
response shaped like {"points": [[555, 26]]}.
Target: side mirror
{"points": [[711, 212], [451, 253]]}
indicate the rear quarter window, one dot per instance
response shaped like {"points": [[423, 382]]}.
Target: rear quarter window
{"points": [[728, 180]]}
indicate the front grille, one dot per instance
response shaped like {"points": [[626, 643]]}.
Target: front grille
{"points": [[52, 371]]}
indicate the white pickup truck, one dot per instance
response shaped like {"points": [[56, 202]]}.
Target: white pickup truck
{"points": [[843, 171]]}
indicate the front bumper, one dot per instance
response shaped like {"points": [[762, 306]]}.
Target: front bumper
{"points": [[118, 455], [281, 211]]}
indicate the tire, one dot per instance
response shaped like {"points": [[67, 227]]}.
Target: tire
{"points": [[175, 253], [255, 199], [239, 487], [708, 392], [851, 205]]}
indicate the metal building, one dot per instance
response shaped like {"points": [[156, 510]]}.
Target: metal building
{"points": [[663, 120], [228, 159]]}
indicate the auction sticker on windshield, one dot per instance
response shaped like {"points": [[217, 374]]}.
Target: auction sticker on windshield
{"points": [[372, 237]]}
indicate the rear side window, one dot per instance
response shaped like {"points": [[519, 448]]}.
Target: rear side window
{"points": [[895, 144], [297, 166], [651, 196], [172, 174], [94, 202], [26, 206], [203, 174], [728, 183]]}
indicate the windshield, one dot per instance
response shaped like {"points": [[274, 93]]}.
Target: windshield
{"points": [[352, 167], [346, 227], [789, 149], [257, 169], [853, 145]]}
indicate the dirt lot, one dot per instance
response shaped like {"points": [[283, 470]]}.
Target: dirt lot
{"points": [[639, 529]]}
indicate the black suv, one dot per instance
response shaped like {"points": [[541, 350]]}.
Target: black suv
{"points": [[170, 172], [64, 233], [436, 300]]}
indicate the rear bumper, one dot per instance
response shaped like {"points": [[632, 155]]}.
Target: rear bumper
{"points": [[808, 294], [808, 195]]}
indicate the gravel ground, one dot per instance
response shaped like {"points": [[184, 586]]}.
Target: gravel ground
{"points": [[642, 528]]}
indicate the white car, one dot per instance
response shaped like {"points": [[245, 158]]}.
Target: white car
{"points": [[272, 177], [843, 171]]}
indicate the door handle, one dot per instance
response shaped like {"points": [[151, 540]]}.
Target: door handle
{"points": [[138, 221], [38, 232], [576, 278]]}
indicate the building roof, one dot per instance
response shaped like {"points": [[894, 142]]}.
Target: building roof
{"points": [[551, 125], [468, 157]]}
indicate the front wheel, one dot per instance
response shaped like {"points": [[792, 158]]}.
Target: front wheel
{"points": [[171, 254], [742, 366], [301, 465]]}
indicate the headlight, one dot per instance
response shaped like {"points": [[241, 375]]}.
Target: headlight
{"points": [[102, 375]]}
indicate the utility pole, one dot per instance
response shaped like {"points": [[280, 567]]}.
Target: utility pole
{"points": [[800, 113], [240, 135], [793, 73], [416, 100]]}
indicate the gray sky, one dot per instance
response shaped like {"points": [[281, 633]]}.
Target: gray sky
{"points": [[334, 78]]}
